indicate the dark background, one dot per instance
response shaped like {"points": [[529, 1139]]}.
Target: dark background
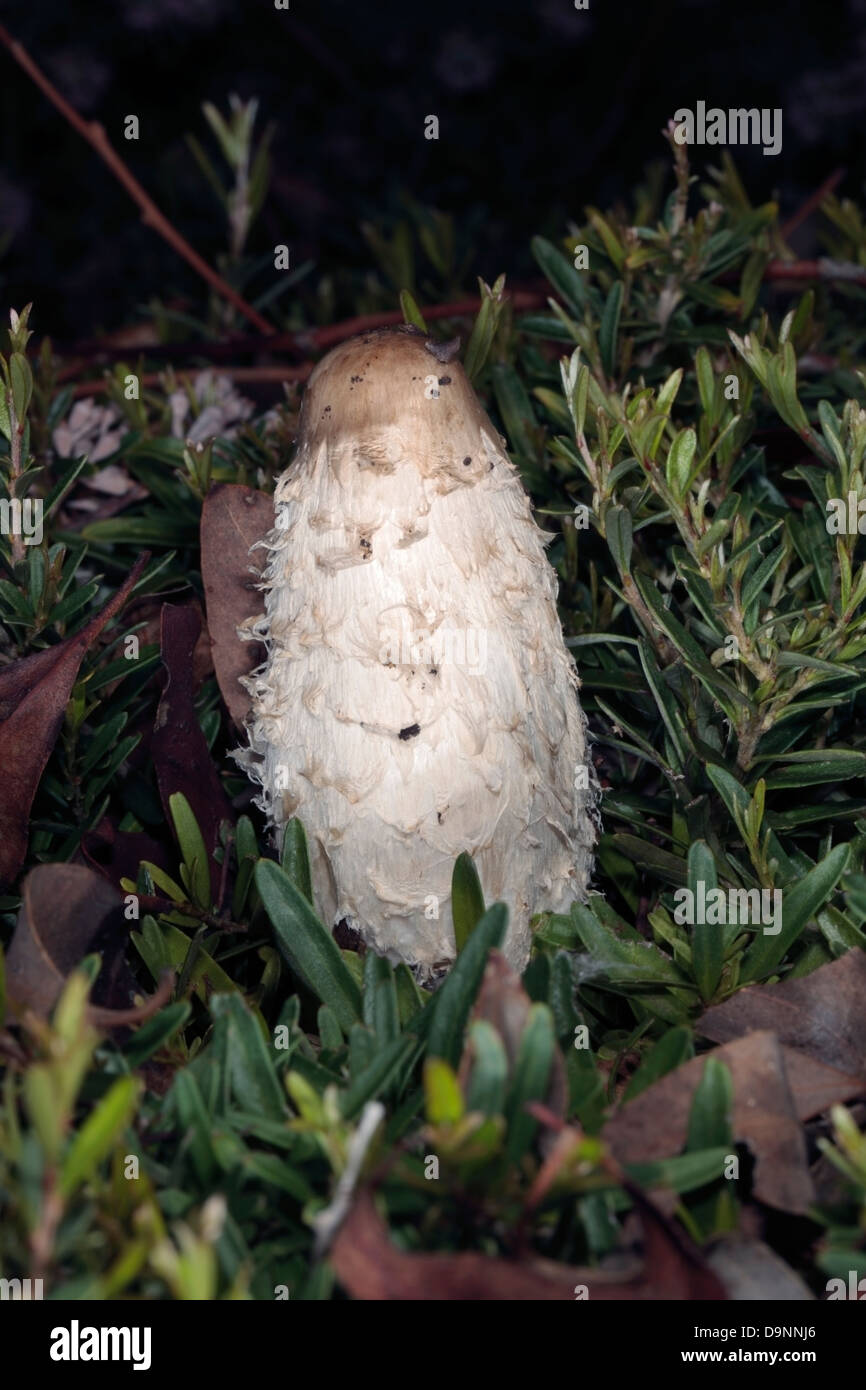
{"points": [[542, 109]]}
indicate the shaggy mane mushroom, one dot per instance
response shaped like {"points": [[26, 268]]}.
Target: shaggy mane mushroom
{"points": [[418, 699]]}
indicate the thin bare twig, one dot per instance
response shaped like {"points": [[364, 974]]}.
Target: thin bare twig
{"points": [[315, 339], [154, 902], [95, 135], [43, 1235], [302, 342], [806, 209], [821, 269], [307, 341]]}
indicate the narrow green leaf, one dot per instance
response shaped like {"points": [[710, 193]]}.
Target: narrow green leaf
{"points": [[706, 380], [295, 858], [64, 484], [247, 854], [679, 461], [380, 998], [708, 939], [711, 1109], [163, 946], [273, 1170], [530, 1081], [800, 903], [411, 313], [443, 1097], [515, 407], [99, 1133], [667, 706], [568, 282], [467, 899], [485, 327], [670, 1052], [250, 1060], [489, 1072], [156, 1032], [330, 1032], [623, 961], [609, 327], [376, 1077], [22, 384], [410, 996], [720, 687], [192, 847], [452, 1003], [196, 1124], [618, 534], [307, 944], [684, 1173], [755, 584]]}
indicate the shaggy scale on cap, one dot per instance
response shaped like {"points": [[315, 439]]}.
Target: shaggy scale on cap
{"points": [[418, 698]]}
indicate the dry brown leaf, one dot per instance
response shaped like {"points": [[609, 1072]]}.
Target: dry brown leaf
{"points": [[117, 854], [146, 614], [815, 1087], [821, 1020], [34, 693], [233, 518], [370, 1267], [67, 912], [655, 1124], [181, 757]]}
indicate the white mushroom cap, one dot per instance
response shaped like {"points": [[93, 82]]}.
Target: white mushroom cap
{"points": [[418, 699]]}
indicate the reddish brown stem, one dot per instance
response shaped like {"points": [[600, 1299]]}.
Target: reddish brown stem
{"points": [[303, 342], [312, 340], [318, 338], [808, 207], [95, 135], [822, 269]]}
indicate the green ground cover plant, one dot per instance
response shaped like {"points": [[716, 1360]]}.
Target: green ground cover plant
{"points": [[205, 1094]]}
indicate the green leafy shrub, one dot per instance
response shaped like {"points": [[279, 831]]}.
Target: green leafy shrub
{"points": [[682, 418]]}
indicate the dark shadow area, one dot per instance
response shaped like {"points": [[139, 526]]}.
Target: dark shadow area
{"points": [[541, 107]]}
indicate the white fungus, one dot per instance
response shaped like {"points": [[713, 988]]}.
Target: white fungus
{"points": [[418, 699]]}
